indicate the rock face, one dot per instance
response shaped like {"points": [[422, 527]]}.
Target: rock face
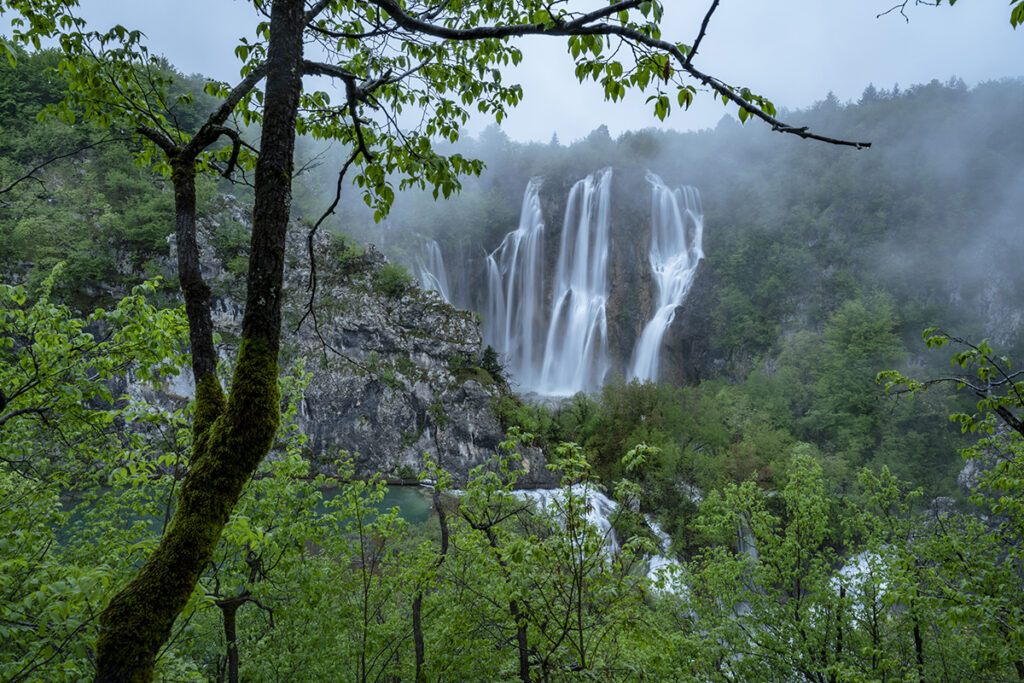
{"points": [[975, 469], [395, 370], [688, 353]]}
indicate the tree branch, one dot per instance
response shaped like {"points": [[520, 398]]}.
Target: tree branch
{"points": [[31, 174], [583, 26], [39, 410], [160, 139], [703, 31]]}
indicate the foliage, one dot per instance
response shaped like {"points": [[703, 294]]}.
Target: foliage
{"points": [[441, 59], [392, 279], [56, 369], [91, 207], [67, 542]]}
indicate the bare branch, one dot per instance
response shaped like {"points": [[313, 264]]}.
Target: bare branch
{"points": [[902, 8], [702, 33], [312, 282]]}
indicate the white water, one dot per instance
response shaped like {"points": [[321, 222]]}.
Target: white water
{"points": [[515, 285], [677, 231], [575, 350], [571, 355], [600, 507], [662, 569], [432, 273]]}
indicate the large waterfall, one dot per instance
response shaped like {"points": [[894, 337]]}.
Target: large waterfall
{"points": [[677, 231], [572, 355], [575, 351], [515, 287], [554, 335]]}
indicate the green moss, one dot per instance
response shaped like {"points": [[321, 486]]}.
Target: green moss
{"points": [[209, 405], [232, 442]]}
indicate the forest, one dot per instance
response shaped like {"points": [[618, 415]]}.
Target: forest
{"points": [[825, 499]]}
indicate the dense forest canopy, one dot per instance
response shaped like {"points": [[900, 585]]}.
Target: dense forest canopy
{"points": [[800, 552]]}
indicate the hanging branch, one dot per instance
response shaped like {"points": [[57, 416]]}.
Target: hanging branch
{"points": [[703, 32], [586, 25]]}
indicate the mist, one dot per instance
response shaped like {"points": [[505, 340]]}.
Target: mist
{"points": [[930, 213]]}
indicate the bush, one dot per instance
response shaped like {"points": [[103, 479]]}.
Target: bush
{"points": [[392, 280]]}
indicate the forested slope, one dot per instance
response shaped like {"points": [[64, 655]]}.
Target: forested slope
{"points": [[803, 557], [825, 263]]}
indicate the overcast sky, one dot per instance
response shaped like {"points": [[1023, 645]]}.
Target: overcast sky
{"points": [[793, 51]]}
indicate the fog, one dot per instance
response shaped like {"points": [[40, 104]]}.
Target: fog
{"points": [[931, 213]]}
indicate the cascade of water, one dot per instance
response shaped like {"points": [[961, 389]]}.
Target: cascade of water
{"points": [[515, 285], [677, 231], [432, 273], [662, 567], [575, 353], [599, 507]]}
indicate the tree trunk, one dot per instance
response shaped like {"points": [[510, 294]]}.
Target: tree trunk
{"points": [[229, 610], [230, 436], [417, 603]]}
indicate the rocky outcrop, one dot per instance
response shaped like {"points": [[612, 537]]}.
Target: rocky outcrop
{"points": [[395, 370], [688, 354]]}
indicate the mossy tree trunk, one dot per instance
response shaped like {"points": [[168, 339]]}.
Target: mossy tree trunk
{"points": [[232, 433]]}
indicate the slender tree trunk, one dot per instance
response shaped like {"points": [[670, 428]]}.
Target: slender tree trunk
{"points": [[194, 288], [229, 610], [522, 644], [417, 603], [230, 436], [918, 644]]}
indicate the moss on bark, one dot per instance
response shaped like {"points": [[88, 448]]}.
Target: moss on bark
{"points": [[230, 440]]}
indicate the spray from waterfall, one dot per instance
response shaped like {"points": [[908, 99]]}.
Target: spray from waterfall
{"points": [[677, 232]]}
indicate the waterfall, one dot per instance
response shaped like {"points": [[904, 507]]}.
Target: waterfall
{"points": [[572, 355], [677, 231], [431, 271], [575, 353], [515, 287], [599, 507], [662, 568]]}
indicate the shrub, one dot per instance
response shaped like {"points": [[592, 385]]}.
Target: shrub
{"points": [[392, 280]]}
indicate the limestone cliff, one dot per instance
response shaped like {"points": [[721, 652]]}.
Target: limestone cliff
{"points": [[395, 370]]}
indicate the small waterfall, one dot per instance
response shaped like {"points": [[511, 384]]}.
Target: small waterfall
{"points": [[575, 353], [432, 273], [515, 285], [677, 231], [600, 507], [662, 569]]}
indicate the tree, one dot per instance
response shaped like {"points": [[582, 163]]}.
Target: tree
{"points": [[64, 433], [973, 563], [387, 56]]}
